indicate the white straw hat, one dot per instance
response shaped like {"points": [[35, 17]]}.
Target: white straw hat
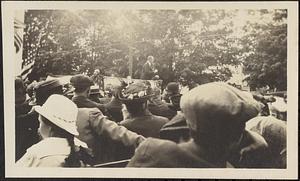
{"points": [[61, 111]]}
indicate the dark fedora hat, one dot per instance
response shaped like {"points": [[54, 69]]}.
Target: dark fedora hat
{"points": [[46, 88]]}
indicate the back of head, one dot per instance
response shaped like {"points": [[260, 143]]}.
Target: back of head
{"points": [[172, 88], [46, 88], [135, 97], [81, 82], [216, 113]]}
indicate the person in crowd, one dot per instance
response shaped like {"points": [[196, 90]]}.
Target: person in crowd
{"points": [[158, 107], [25, 128], [97, 77], [27, 124], [94, 94], [149, 70], [57, 129], [274, 132], [46, 88], [278, 109], [265, 111], [31, 92], [114, 106], [139, 118], [82, 85], [187, 80], [217, 126], [107, 140], [171, 89], [107, 94]]}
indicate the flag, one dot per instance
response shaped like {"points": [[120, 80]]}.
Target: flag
{"points": [[18, 39], [30, 54]]}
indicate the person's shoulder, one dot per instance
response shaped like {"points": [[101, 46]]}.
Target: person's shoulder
{"points": [[158, 145], [160, 118], [125, 122]]}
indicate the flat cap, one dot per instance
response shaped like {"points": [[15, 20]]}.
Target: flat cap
{"points": [[214, 107], [81, 81]]}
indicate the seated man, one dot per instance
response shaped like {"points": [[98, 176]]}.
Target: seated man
{"points": [[140, 120], [160, 108], [114, 106], [82, 85], [216, 114], [171, 90]]}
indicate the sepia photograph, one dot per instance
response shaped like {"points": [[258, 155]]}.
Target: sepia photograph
{"points": [[150, 89]]}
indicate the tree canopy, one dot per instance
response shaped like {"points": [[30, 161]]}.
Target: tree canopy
{"points": [[204, 41]]}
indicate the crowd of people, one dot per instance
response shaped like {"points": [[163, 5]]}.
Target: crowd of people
{"points": [[213, 125]]}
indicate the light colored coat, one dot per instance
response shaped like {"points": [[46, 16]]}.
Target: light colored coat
{"points": [[50, 152]]}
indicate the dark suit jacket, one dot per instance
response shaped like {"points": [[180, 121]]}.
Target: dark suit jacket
{"points": [[147, 125], [84, 102], [166, 154]]}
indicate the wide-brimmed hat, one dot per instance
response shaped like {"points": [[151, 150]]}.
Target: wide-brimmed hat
{"points": [[138, 91], [61, 111]]}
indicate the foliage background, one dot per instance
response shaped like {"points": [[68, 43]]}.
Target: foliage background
{"points": [[208, 42]]}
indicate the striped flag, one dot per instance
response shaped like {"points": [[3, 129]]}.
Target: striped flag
{"points": [[18, 39], [18, 36], [30, 55]]}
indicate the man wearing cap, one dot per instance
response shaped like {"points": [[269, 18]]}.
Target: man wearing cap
{"points": [[171, 89], [82, 85], [160, 108], [216, 114], [140, 119]]}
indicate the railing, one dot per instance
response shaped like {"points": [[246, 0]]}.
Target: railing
{"points": [[120, 163]]}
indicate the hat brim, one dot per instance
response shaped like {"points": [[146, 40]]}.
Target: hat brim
{"points": [[66, 126], [140, 99]]}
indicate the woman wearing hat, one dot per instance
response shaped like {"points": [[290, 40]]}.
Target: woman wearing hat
{"points": [[140, 119], [57, 129]]}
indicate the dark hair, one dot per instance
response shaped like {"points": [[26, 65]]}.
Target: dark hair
{"points": [[73, 159], [136, 108], [81, 89]]}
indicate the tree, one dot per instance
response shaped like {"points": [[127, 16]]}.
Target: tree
{"points": [[204, 41], [266, 64]]}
